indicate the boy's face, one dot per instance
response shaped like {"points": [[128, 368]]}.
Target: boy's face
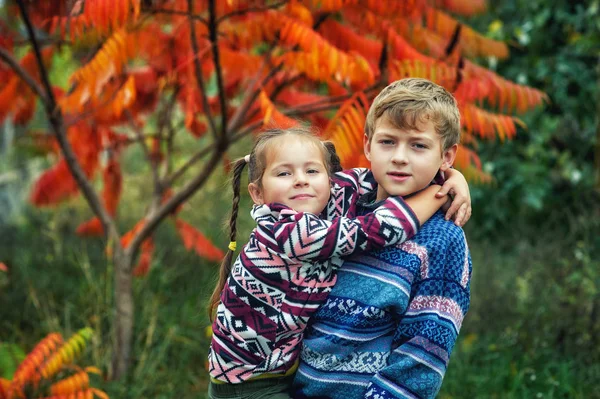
{"points": [[405, 161], [295, 176]]}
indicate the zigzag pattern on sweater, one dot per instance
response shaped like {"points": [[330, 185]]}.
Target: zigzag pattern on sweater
{"points": [[278, 281]]}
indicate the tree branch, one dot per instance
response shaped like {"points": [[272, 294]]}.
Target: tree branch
{"points": [[142, 140], [175, 12], [198, 70], [56, 120], [23, 74], [250, 9], [153, 220], [212, 35]]}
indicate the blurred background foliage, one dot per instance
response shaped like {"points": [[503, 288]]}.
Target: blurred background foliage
{"points": [[533, 327]]}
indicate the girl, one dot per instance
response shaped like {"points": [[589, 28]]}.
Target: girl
{"points": [[288, 267]]}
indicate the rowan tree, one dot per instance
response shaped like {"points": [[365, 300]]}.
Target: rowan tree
{"points": [[220, 71]]}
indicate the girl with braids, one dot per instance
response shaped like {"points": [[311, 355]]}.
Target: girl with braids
{"points": [[304, 225]]}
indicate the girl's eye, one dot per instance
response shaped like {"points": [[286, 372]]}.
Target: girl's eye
{"points": [[283, 174], [312, 171]]}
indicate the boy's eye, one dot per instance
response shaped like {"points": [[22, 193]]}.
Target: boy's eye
{"points": [[420, 146], [386, 142]]}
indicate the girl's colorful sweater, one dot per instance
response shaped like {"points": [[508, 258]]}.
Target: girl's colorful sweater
{"points": [[286, 271]]}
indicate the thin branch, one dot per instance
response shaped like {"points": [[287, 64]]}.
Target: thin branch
{"points": [[166, 121], [198, 70], [152, 220], [250, 9], [56, 120], [175, 12], [212, 33], [23, 74], [141, 139], [190, 162], [236, 119]]}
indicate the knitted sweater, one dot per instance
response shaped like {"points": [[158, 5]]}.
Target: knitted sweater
{"points": [[286, 271], [388, 327]]}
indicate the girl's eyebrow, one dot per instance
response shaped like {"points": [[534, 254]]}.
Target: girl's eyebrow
{"points": [[289, 165]]}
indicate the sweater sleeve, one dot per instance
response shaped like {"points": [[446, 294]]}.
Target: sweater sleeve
{"points": [[305, 236], [427, 331], [361, 180]]}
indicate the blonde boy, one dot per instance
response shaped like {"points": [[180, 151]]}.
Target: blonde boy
{"points": [[389, 325]]}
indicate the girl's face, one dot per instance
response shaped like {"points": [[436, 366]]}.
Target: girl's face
{"points": [[295, 176]]}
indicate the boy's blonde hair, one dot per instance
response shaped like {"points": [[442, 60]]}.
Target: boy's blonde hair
{"points": [[412, 101]]}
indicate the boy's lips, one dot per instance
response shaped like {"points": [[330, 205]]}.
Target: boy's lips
{"points": [[399, 176]]}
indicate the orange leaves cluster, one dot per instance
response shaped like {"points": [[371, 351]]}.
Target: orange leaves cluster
{"points": [[102, 16], [50, 356], [320, 60], [16, 97], [89, 81], [346, 130], [472, 43], [271, 115], [28, 370]]}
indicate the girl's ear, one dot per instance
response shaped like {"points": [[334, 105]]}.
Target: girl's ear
{"points": [[255, 193], [448, 157]]}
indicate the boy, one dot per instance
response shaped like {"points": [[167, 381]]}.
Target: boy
{"points": [[389, 325]]}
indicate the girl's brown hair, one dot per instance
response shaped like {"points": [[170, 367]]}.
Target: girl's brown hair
{"points": [[256, 167]]}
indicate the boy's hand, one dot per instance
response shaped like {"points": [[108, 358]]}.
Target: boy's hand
{"points": [[457, 188]]}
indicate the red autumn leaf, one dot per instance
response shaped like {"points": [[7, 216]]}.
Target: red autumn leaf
{"points": [[194, 239], [54, 185], [91, 228], [113, 184], [146, 251], [127, 237]]}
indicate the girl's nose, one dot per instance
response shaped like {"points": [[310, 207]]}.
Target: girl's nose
{"points": [[300, 180]]}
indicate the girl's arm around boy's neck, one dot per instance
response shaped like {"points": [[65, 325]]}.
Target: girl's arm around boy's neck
{"points": [[425, 203]]}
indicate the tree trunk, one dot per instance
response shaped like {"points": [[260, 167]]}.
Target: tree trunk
{"points": [[597, 155], [123, 326]]}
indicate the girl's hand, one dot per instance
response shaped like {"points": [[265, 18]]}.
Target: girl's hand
{"points": [[456, 187]]}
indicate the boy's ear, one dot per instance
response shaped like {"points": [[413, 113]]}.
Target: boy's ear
{"points": [[448, 157], [255, 193], [367, 147]]}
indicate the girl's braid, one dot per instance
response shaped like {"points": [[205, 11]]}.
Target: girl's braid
{"points": [[225, 268]]}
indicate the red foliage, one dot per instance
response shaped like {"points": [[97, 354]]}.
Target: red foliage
{"points": [[57, 184], [193, 239], [146, 252]]}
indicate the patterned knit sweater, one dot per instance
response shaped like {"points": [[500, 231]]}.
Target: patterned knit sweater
{"points": [[389, 325], [287, 270]]}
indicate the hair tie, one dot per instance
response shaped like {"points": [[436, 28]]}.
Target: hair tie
{"points": [[247, 158], [232, 246]]}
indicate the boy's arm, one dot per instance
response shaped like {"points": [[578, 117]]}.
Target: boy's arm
{"points": [[456, 186], [427, 332]]}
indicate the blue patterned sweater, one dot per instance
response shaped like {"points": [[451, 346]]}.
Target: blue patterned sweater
{"points": [[389, 325]]}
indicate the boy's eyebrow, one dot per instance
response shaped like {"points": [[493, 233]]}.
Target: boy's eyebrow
{"points": [[386, 134]]}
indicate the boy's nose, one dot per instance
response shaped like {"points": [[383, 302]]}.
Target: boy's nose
{"points": [[399, 156]]}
